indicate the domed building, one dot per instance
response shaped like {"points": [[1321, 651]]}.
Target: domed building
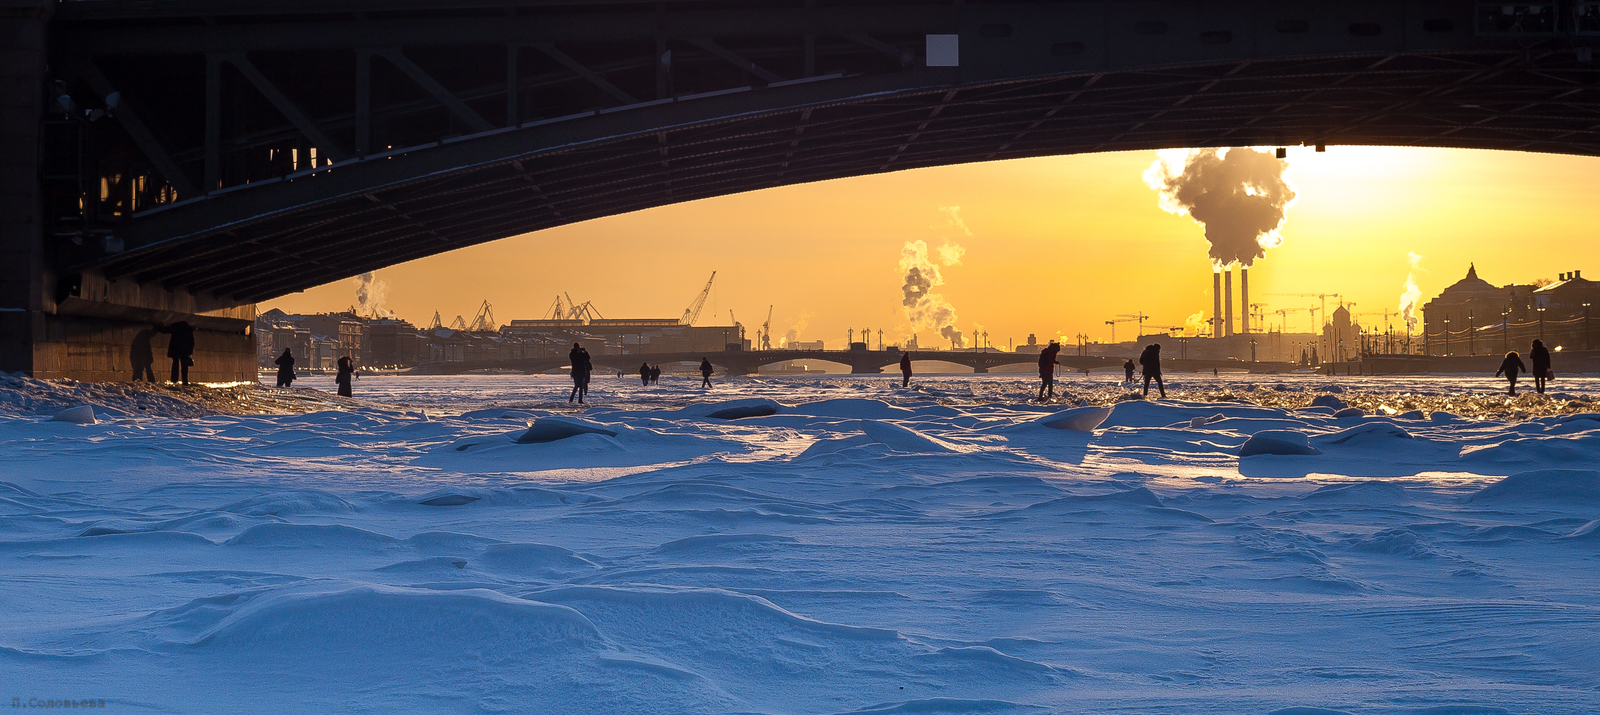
{"points": [[1472, 304], [1341, 336]]}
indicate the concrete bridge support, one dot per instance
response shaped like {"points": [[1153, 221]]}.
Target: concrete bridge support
{"points": [[80, 325]]}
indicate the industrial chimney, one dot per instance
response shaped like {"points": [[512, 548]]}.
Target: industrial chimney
{"points": [[1244, 298], [1216, 304], [1227, 303]]}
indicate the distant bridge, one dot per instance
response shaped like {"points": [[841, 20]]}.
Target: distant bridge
{"points": [[860, 362]]}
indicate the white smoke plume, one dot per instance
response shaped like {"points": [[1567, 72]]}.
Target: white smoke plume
{"points": [[925, 309], [370, 293], [792, 335], [1239, 195], [1195, 324], [953, 219], [1412, 294]]}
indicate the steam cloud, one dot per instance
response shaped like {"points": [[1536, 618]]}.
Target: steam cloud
{"points": [[792, 335], [1408, 299], [1239, 195], [924, 308], [370, 293], [1195, 323]]}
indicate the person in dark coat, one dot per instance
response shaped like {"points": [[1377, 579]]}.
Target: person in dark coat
{"points": [[1127, 372], [705, 372], [347, 372], [905, 369], [1047, 370], [644, 373], [581, 366], [1510, 367], [1150, 359], [1540, 357], [285, 363], [142, 356], [655, 374], [180, 347]]}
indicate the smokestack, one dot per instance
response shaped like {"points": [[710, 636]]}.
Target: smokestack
{"points": [[1216, 304], [1244, 298], [1227, 303]]}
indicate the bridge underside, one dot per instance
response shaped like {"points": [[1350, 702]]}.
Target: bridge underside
{"points": [[385, 211]]}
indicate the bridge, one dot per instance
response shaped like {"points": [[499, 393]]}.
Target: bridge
{"points": [[185, 159], [738, 362]]}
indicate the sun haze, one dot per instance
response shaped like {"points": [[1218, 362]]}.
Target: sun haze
{"points": [[1053, 246]]}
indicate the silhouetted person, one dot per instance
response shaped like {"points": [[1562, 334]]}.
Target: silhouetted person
{"points": [[181, 349], [581, 365], [142, 356], [905, 369], [1047, 370], [1214, 373], [285, 363], [1304, 358], [1127, 372], [347, 372], [1150, 360], [1510, 367], [705, 372], [655, 374], [644, 373], [1540, 357]]}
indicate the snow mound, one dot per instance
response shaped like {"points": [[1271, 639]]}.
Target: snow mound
{"points": [[1307, 711], [80, 415], [539, 560], [852, 408], [1367, 493], [1079, 419], [1578, 449], [1369, 434], [556, 427], [1328, 401], [1554, 486], [904, 439], [1349, 412], [313, 536], [723, 543], [1279, 442], [373, 622], [291, 503], [1589, 531], [733, 409], [937, 706]]}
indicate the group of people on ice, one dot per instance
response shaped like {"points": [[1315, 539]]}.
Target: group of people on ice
{"points": [[343, 378], [1539, 355]]}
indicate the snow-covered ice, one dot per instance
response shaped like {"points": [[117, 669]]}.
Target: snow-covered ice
{"points": [[807, 546]]}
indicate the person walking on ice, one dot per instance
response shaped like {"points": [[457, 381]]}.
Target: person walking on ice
{"points": [[905, 369], [1540, 357], [1151, 360], [285, 363], [1047, 370], [705, 372], [347, 371], [1510, 367], [1127, 372], [581, 365]]}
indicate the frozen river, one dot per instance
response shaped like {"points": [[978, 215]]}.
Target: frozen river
{"points": [[859, 548]]}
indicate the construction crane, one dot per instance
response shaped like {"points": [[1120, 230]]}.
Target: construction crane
{"points": [[692, 313], [766, 331], [1260, 318], [585, 311], [1319, 296], [1113, 324], [737, 327], [1283, 317], [483, 322], [436, 324], [1139, 317], [459, 323]]}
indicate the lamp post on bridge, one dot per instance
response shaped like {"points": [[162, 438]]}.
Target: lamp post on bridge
{"points": [[1586, 341], [1541, 321], [1447, 336], [1505, 330]]}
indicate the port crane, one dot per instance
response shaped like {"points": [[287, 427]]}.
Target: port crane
{"points": [[436, 324], [738, 327], [483, 321], [1319, 296], [692, 313], [766, 331]]}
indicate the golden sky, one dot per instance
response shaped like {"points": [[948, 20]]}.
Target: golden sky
{"points": [[1057, 246]]}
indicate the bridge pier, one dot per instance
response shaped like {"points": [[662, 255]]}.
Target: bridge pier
{"points": [[81, 326]]}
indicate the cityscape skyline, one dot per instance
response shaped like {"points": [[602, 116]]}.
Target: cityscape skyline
{"points": [[1053, 246]]}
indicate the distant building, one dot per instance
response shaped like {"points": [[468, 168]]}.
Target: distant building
{"points": [[1474, 317], [803, 345], [1341, 337]]}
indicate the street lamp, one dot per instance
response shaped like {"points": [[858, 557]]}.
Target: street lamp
{"points": [[1472, 334], [1505, 331], [1447, 336], [1586, 345], [1541, 322]]}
